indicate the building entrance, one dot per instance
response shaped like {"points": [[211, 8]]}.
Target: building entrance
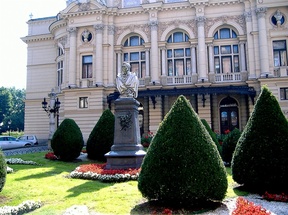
{"points": [[229, 115]]}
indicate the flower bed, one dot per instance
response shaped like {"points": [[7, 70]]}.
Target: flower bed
{"points": [[275, 197], [19, 161], [98, 172], [23, 208], [245, 207]]}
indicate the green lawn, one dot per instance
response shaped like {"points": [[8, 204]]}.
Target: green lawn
{"points": [[49, 184]]}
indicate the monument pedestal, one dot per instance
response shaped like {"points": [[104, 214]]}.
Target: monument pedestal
{"points": [[127, 151]]}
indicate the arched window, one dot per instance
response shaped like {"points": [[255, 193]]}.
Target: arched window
{"points": [[226, 51], [178, 54], [134, 54]]}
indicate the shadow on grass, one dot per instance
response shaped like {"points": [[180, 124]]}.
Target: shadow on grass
{"points": [[155, 207], [87, 187]]}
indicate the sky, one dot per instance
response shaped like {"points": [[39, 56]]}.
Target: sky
{"points": [[13, 51]]}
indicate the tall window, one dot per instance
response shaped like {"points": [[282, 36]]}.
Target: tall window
{"points": [[59, 73], [226, 51], [280, 53], [178, 54], [284, 93], [87, 66], [135, 55], [83, 102]]}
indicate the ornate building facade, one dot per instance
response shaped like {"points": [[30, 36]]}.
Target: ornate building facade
{"points": [[216, 53]]}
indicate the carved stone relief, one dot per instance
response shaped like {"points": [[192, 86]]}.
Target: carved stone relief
{"points": [[144, 27]]}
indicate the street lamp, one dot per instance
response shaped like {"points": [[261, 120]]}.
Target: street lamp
{"points": [[9, 123], [53, 111]]}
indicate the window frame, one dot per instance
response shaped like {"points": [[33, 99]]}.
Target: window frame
{"points": [[83, 102], [283, 93], [60, 69], [87, 68], [281, 52]]}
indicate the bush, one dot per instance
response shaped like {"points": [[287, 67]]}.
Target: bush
{"points": [[212, 134], [67, 141], [260, 159], [3, 170], [183, 165], [229, 145], [101, 138]]}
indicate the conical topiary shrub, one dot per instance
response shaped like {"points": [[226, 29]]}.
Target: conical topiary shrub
{"points": [[229, 145], [212, 134], [182, 164], [260, 159], [3, 170], [102, 137], [67, 141]]}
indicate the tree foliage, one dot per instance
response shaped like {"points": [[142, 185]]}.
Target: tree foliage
{"points": [[12, 109], [102, 136], [182, 164], [3, 170], [260, 159]]}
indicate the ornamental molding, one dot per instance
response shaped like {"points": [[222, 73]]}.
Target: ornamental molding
{"points": [[56, 25], [248, 16], [237, 19], [261, 12], [42, 37], [131, 29]]}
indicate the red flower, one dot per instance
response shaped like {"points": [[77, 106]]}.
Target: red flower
{"points": [[51, 156], [245, 207], [100, 169], [275, 197]]}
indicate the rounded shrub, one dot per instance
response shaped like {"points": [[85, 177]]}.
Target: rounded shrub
{"points": [[102, 136], [67, 141], [229, 145], [3, 170], [212, 134], [183, 165], [260, 159]]}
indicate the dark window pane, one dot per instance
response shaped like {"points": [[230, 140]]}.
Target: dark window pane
{"points": [[169, 53], [134, 56], [134, 41], [224, 33], [235, 48], [178, 37], [216, 50], [179, 53], [188, 52], [225, 49], [216, 36]]}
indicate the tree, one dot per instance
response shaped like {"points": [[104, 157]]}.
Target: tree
{"points": [[182, 165], [229, 144], [102, 136], [212, 134], [260, 159]]}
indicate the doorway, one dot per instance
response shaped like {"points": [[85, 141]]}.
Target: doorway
{"points": [[229, 115]]}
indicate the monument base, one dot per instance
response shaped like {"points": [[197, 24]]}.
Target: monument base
{"points": [[124, 159]]}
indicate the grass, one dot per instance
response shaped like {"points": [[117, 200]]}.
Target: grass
{"points": [[49, 184]]}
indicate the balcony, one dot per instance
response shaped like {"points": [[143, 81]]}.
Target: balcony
{"points": [[229, 77], [174, 80]]}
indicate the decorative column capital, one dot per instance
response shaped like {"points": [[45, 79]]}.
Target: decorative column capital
{"points": [[248, 16], [111, 29], [200, 20], [72, 30], [99, 28], [153, 24], [261, 12]]}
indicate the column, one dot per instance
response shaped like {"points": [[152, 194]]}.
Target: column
{"points": [[193, 59], [119, 61], [250, 46], [211, 59], [111, 76], [242, 57], [201, 49], [147, 63], [263, 46], [154, 51], [72, 57], [163, 53], [98, 55]]}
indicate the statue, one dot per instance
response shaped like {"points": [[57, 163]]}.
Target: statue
{"points": [[127, 82], [278, 16]]}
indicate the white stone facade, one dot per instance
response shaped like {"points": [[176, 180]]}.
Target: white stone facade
{"points": [[198, 48]]}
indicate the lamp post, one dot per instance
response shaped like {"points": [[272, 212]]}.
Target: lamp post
{"points": [[9, 123], [53, 111]]}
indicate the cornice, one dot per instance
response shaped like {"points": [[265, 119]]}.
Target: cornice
{"points": [[37, 38], [56, 25]]}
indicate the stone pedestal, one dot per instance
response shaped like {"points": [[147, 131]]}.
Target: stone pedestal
{"points": [[127, 151]]}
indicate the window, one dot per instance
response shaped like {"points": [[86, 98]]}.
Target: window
{"points": [[135, 55], [178, 58], [83, 102], [226, 56], [87, 66], [280, 53], [131, 3], [284, 93], [60, 51], [59, 73]]}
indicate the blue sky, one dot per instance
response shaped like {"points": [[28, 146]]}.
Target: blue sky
{"points": [[13, 51]]}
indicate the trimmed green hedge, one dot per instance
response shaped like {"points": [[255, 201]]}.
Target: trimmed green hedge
{"points": [[182, 164]]}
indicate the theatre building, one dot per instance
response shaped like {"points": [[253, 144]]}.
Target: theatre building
{"points": [[216, 53]]}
